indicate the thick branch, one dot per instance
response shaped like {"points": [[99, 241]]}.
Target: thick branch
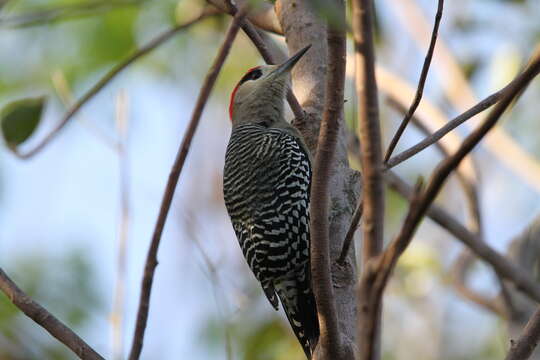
{"points": [[525, 345], [151, 45], [369, 128], [330, 339], [46, 320], [151, 260], [421, 83], [371, 163]]}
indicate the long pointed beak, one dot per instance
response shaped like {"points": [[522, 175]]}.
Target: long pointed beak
{"points": [[289, 64]]}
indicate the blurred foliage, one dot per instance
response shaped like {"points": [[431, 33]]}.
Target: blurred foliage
{"points": [[20, 119], [65, 286], [253, 339]]}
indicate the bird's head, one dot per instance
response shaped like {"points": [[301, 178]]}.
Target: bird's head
{"points": [[258, 96]]}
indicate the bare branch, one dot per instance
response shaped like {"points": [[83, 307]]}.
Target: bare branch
{"points": [[447, 166], [151, 260], [64, 12], [525, 345], [369, 128], [330, 337], [421, 83], [461, 95], [451, 125], [502, 266], [107, 78], [371, 161], [355, 221], [465, 260], [263, 16], [378, 271], [46, 320], [262, 47], [376, 274]]}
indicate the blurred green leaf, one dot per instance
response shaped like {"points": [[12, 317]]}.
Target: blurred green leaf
{"points": [[20, 119]]}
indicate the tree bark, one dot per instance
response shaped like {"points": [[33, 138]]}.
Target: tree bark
{"points": [[302, 27]]}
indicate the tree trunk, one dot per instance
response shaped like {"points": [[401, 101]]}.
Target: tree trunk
{"points": [[301, 27]]}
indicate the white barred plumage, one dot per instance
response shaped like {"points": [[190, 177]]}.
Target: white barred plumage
{"points": [[266, 185]]}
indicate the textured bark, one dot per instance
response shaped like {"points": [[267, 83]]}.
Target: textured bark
{"points": [[301, 27]]}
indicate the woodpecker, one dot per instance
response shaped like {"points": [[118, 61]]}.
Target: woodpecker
{"points": [[266, 185]]}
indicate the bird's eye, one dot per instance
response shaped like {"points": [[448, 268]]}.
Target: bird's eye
{"points": [[255, 74], [251, 75]]}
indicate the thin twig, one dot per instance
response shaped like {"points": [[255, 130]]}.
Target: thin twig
{"points": [[523, 347], [464, 261], [63, 12], [355, 221], [457, 88], [451, 125], [151, 260], [442, 171], [220, 297], [421, 83], [371, 161], [106, 79], [46, 320], [262, 47], [330, 337]]}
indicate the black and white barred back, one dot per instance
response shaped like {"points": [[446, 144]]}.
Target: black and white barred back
{"points": [[266, 186]]}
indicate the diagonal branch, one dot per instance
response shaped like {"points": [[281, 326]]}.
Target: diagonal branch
{"points": [[64, 12], [421, 83], [262, 47], [522, 348], [107, 78], [378, 271], [500, 264], [451, 125], [330, 337], [46, 320], [151, 260]]}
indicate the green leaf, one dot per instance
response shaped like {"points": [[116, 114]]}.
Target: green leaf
{"points": [[20, 119]]}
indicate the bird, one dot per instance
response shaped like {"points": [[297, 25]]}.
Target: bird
{"points": [[266, 188]]}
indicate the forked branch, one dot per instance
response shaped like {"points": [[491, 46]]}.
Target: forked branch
{"points": [[378, 271], [421, 83]]}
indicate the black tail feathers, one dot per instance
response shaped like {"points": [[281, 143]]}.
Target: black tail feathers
{"points": [[301, 310]]}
